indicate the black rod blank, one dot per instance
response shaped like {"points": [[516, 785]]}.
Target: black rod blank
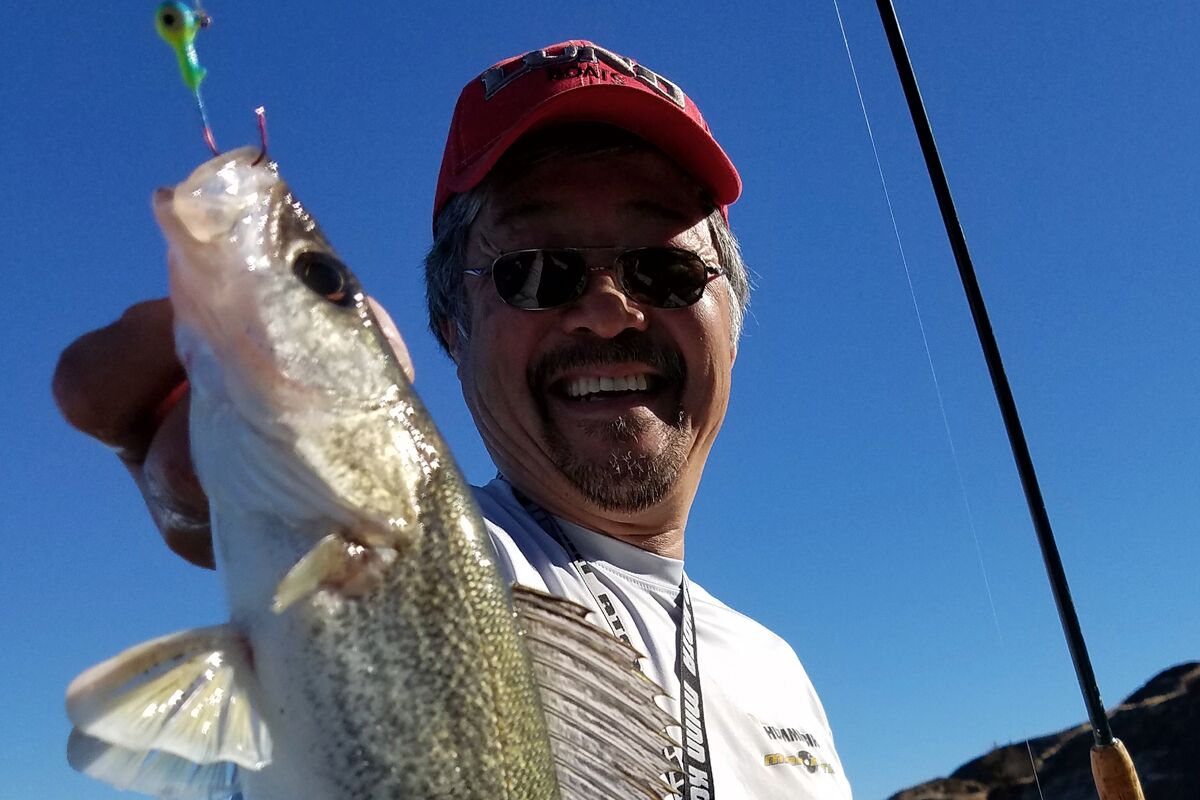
{"points": [[1101, 731]]}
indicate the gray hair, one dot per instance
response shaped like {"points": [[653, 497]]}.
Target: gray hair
{"points": [[445, 291]]}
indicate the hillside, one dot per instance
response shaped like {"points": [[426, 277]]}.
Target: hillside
{"points": [[1159, 724]]}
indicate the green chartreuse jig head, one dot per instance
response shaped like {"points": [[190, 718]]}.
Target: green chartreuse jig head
{"points": [[178, 25]]}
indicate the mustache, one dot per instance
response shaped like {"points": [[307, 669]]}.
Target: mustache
{"points": [[625, 347]]}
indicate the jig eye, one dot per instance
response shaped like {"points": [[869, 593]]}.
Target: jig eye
{"points": [[172, 16], [176, 23], [325, 275]]}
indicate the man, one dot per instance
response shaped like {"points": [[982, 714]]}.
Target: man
{"points": [[585, 282]]}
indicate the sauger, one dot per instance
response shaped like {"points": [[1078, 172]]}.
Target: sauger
{"points": [[373, 651]]}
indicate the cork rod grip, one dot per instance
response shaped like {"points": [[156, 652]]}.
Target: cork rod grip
{"points": [[1113, 771]]}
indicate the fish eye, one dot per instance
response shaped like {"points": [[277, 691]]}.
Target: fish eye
{"points": [[325, 275]]}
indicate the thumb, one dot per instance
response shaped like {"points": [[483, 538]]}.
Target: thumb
{"points": [[389, 329]]}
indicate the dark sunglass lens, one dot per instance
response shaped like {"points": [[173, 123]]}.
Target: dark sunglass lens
{"points": [[533, 279], [663, 277]]}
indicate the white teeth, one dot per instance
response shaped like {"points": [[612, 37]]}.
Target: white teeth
{"points": [[580, 387]]}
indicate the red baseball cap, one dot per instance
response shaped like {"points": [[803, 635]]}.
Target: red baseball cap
{"points": [[577, 81]]}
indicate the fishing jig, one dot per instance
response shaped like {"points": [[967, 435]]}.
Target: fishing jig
{"points": [[178, 25]]}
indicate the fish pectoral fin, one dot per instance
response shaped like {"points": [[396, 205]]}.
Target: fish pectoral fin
{"points": [[337, 563], [183, 695], [606, 728], [151, 772]]}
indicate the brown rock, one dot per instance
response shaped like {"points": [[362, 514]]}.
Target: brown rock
{"points": [[1159, 724]]}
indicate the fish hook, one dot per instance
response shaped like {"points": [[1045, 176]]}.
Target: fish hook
{"points": [[261, 113]]}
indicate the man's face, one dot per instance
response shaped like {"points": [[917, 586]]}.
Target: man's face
{"points": [[530, 377]]}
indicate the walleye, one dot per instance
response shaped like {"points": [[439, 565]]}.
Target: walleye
{"points": [[372, 650]]}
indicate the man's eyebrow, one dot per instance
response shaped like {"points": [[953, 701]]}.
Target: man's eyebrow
{"points": [[669, 213], [520, 211]]}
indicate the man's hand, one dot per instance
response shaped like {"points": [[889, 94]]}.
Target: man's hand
{"points": [[116, 384], [123, 384]]}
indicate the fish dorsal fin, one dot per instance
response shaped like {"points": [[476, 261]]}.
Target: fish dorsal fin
{"points": [[151, 772], [606, 728], [184, 694]]}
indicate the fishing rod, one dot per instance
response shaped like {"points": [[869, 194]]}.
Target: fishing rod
{"points": [[1112, 768]]}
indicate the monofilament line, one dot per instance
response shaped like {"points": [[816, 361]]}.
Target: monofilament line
{"points": [[928, 355], [205, 125], [912, 293]]}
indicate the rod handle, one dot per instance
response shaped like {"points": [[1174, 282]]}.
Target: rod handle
{"points": [[1114, 773]]}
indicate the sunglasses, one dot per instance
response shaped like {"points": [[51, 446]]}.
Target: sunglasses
{"points": [[662, 277]]}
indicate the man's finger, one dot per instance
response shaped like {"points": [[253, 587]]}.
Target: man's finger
{"points": [[109, 382], [188, 537], [173, 494], [393, 335]]}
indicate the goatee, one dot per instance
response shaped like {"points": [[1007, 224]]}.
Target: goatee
{"points": [[629, 481], [638, 472]]}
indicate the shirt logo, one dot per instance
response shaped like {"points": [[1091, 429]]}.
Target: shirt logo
{"points": [[588, 61], [801, 758], [785, 737]]}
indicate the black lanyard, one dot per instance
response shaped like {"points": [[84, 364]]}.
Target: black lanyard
{"points": [[694, 774]]}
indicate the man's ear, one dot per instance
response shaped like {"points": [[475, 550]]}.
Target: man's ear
{"points": [[452, 334]]}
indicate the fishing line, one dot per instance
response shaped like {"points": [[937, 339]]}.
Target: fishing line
{"points": [[921, 325], [206, 126], [929, 360]]}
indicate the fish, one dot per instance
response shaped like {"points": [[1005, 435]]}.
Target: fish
{"points": [[372, 649]]}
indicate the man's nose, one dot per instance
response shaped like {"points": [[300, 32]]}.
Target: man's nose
{"points": [[603, 309]]}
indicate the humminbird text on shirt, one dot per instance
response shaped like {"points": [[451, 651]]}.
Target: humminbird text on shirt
{"points": [[790, 735], [799, 758], [586, 62]]}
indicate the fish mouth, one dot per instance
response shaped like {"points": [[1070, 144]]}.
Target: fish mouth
{"points": [[216, 196], [163, 203]]}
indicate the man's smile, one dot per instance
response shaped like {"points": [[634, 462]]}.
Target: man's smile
{"points": [[593, 388], [609, 392], [610, 378]]}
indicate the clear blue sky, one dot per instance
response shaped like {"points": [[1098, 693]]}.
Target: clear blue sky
{"points": [[831, 508]]}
